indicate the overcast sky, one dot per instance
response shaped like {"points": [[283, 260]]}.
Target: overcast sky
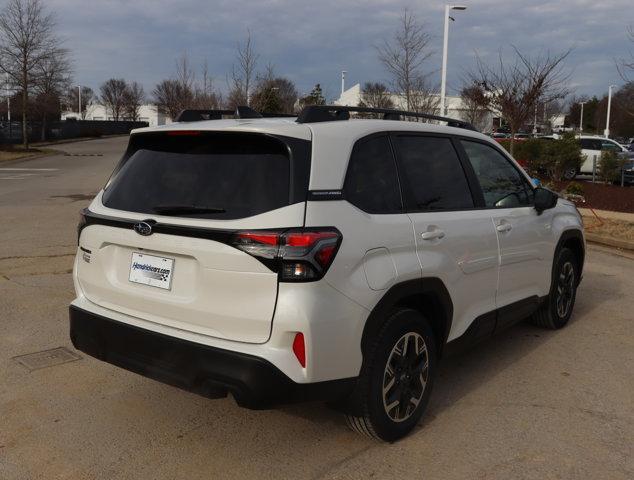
{"points": [[312, 41]]}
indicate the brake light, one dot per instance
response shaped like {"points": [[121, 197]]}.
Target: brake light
{"points": [[299, 349], [183, 133], [297, 255]]}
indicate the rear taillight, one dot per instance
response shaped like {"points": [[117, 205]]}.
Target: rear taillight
{"points": [[297, 255]]}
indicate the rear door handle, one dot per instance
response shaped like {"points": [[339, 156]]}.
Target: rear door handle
{"points": [[433, 234], [504, 226]]}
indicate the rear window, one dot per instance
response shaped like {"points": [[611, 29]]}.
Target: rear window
{"points": [[206, 175]]}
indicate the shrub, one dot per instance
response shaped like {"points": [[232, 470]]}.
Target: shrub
{"points": [[559, 156], [574, 188], [610, 166], [550, 158]]}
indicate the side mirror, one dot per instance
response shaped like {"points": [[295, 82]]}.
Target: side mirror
{"points": [[544, 199]]}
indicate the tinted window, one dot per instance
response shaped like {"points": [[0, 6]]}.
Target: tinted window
{"points": [[591, 144], [605, 145], [502, 184], [432, 173], [372, 181], [232, 176]]}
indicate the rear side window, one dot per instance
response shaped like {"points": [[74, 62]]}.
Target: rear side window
{"points": [[432, 174], [218, 176], [371, 181]]}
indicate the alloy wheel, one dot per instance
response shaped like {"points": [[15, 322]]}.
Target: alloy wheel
{"points": [[405, 377], [565, 289]]}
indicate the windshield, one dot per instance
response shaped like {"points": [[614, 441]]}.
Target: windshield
{"points": [[203, 176]]}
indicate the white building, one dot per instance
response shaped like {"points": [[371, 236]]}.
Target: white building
{"points": [[147, 113], [455, 107]]}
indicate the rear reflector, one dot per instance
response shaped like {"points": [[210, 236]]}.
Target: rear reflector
{"points": [[299, 349]]}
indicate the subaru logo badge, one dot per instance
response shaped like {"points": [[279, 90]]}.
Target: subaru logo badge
{"points": [[143, 228]]}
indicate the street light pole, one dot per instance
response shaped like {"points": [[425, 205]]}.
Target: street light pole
{"points": [[606, 133], [79, 96], [343, 81], [581, 118], [443, 77], [8, 104]]}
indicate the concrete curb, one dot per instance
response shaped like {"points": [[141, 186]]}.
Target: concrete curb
{"points": [[30, 157], [609, 241], [79, 139]]}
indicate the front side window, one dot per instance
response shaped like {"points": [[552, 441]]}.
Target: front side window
{"points": [[503, 186], [432, 173], [372, 181]]}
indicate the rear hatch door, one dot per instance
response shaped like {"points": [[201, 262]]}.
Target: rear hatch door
{"points": [[157, 243]]}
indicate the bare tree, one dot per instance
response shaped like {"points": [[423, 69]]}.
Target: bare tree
{"points": [[626, 65], [515, 88], [375, 95], [424, 98], [185, 74], [243, 74], [52, 77], [476, 104], [113, 96], [404, 56], [71, 99], [27, 40], [204, 94], [133, 98], [169, 98], [172, 96]]}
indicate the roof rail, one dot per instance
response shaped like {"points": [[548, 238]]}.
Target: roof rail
{"points": [[330, 113], [240, 112]]}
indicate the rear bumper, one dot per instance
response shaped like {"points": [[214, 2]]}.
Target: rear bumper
{"points": [[212, 372]]}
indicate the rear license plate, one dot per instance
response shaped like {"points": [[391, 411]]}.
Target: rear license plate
{"points": [[151, 270]]}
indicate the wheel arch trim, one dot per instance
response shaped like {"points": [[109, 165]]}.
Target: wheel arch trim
{"points": [[426, 288]]}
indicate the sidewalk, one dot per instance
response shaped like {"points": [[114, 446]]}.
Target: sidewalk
{"points": [[606, 214], [608, 234]]}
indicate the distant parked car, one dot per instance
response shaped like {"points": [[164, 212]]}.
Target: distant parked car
{"points": [[522, 136], [593, 146], [499, 135]]}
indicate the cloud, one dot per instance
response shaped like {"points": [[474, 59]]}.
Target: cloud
{"points": [[311, 42]]}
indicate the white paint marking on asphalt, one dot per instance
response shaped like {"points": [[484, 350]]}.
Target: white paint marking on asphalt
{"points": [[29, 169]]}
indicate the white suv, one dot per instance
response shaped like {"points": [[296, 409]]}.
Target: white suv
{"points": [[322, 257]]}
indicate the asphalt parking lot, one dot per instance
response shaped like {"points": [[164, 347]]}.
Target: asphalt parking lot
{"points": [[529, 404]]}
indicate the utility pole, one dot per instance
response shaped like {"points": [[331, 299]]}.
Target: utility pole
{"points": [[607, 121], [343, 81], [581, 118], [8, 104], [79, 96], [443, 73]]}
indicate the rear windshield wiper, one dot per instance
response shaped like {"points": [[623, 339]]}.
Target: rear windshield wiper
{"points": [[185, 209]]}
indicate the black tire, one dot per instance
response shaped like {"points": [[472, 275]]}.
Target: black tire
{"points": [[557, 309], [570, 174], [371, 417]]}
